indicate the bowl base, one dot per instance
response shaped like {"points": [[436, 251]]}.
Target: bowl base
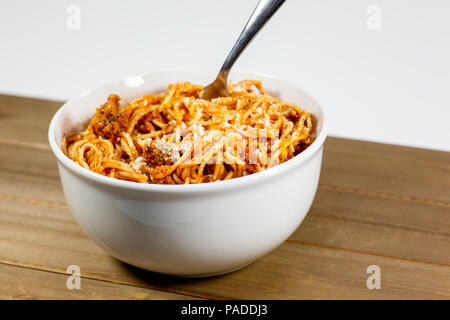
{"points": [[205, 275]]}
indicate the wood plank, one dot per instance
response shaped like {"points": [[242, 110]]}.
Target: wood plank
{"points": [[24, 283], [391, 232], [375, 239], [44, 239], [31, 187], [404, 171], [392, 226], [403, 174], [376, 204], [354, 205], [292, 271], [433, 187], [330, 201], [14, 160], [27, 161], [26, 119]]}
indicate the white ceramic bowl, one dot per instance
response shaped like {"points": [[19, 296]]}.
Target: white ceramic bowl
{"points": [[188, 230]]}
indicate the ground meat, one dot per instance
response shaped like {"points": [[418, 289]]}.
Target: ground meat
{"points": [[251, 168], [209, 169], [166, 180], [300, 147], [155, 157], [293, 117], [207, 178], [108, 122]]}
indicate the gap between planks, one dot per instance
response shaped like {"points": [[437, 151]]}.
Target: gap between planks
{"points": [[91, 288], [321, 186], [367, 253], [110, 280]]}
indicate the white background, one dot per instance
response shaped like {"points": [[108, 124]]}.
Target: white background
{"points": [[388, 85]]}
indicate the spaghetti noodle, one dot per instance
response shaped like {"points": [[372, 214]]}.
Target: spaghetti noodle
{"points": [[177, 138]]}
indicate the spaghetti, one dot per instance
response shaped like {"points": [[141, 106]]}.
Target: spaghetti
{"points": [[177, 138]]}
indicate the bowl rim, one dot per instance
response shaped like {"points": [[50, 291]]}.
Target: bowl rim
{"points": [[185, 188]]}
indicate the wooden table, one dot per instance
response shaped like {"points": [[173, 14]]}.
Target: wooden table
{"points": [[377, 204]]}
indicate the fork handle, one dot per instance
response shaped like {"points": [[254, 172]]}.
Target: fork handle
{"points": [[262, 13]]}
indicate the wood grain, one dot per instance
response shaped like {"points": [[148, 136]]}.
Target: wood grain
{"points": [[47, 238], [25, 283], [25, 119], [376, 204]]}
